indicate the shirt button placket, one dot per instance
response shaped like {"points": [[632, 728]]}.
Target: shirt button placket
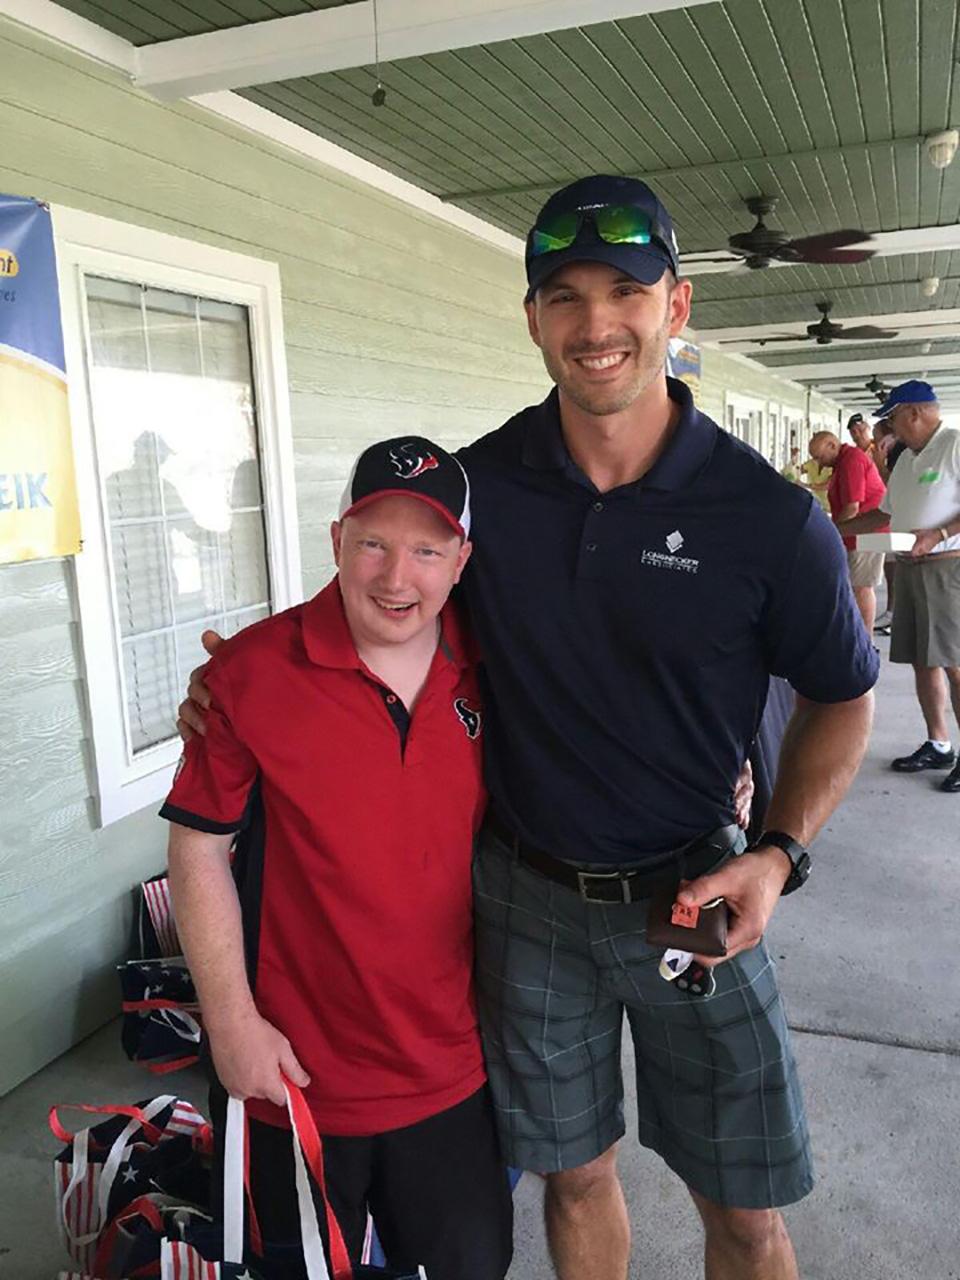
{"points": [[590, 542]]}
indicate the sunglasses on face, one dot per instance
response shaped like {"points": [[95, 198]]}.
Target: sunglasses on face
{"points": [[614, 224]]}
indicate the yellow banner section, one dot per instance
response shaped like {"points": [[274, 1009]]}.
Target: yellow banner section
{"points": [[38, 499]]}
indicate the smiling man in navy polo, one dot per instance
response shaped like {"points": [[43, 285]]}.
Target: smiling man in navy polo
{"points": [[638, 576]]}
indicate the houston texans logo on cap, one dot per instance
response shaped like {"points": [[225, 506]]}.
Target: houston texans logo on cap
{"points": [[409, 461], [414, 467]]}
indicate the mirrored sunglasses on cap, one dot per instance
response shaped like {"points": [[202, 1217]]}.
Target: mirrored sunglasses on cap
{"points": [[614, 223]]}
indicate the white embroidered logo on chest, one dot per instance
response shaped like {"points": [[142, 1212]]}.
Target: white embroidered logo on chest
{"points": [[657, 560]]}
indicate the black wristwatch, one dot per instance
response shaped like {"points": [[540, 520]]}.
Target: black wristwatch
{"points": [[798, 855]]}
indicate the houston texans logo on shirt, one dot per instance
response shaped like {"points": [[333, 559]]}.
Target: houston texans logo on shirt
{"points": [[409, 461], [470, 719]]}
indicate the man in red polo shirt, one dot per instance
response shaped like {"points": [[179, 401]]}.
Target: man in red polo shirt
{"points": [[343, 751], [855, 486]]}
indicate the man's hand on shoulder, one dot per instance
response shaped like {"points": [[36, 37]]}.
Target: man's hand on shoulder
{"points": [[250, 1054], [191, 714], [751, 884]]}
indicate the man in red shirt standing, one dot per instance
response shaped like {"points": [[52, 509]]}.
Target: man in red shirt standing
{"points": [[342, 750], [855, 486]]}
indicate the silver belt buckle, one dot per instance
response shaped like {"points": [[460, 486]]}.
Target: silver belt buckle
{"points": [[584, 876]]}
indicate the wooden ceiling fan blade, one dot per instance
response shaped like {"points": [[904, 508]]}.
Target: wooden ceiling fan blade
{"points": [[867, 331], [830, 256], [830, 240], [781, 337]]}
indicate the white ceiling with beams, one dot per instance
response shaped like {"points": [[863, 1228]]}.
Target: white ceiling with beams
{"points": [[343, 37]]}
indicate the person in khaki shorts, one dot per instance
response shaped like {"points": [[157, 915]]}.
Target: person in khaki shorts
{"points": [[924, 498], [855, 487]]}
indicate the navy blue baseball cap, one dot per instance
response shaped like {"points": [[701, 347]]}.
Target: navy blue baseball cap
{"points": [[614, 220], [912, 392]]}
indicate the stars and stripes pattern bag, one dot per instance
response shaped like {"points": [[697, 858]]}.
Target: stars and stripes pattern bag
{"points": [[161, 1016], [151, 1147], [154, 928], [184, 1261]]}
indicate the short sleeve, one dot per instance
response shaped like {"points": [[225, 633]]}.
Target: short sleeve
{"points": [[212, 784], [813, 632]]}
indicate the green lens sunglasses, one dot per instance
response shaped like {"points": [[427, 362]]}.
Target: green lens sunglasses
{"points": [[615, 224]]}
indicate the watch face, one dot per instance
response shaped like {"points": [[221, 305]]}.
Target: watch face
{"points": [[798, 876]]}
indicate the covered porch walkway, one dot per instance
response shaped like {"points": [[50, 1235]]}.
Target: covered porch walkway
{"points": [[868, 963]]}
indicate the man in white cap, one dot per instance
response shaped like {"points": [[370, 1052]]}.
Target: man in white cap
{"points": [[923, 498]]}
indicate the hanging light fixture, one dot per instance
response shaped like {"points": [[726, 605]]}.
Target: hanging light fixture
{"points": [[379, 95]]}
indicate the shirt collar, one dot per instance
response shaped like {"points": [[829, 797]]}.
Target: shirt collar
{"points": [[328, 642], [936, 431], [687, 451]]}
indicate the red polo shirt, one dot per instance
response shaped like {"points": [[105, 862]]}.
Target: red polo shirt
{"points": [[855, 479], [353, 864]]}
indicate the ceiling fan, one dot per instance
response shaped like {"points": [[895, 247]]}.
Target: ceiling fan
{"points": [[763, 245], [824, 331], [877, 388]]}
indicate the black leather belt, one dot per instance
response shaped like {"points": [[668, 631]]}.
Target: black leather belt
{"points": [[689, 861]]}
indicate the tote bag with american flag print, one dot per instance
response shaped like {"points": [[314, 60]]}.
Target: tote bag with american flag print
{"points": [[146, 1147], [180, 1260]]}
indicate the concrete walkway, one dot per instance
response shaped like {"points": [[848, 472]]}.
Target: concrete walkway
{"points": [[868, 963]]}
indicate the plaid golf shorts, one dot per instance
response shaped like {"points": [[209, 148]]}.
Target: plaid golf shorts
{"points": [[717, 1087]]}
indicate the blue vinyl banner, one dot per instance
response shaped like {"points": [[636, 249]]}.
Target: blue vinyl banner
{"points": [[38, 500]]}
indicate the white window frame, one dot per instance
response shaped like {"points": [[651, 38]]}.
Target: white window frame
{"points": [[743, 408], [91, 244], [774, 421]]}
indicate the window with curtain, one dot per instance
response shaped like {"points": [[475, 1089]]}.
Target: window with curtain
{"points": [[174, 416]]}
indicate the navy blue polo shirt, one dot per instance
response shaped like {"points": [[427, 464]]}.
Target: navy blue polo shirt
{"points": [[628, 636]]}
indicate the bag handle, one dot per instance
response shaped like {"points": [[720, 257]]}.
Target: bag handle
{"points": [[307, 1139], [143, 1207], [143, 1115], [307, 1153]]}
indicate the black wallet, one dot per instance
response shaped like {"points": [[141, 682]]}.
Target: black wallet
{"points": [[700, 930]]}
